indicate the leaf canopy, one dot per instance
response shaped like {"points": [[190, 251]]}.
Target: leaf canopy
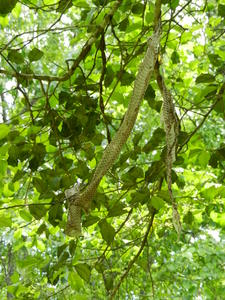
{"points": [[68, 70]]}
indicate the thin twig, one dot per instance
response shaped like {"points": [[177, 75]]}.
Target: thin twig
{"points": [[219, 96], [25, 205], [131, 263]]}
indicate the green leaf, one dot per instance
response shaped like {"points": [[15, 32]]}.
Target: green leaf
{"points": [[3, 167], [6, 6], [23, 151], [55, 214], [25, 215], [33, 130], [38, 154], [221, 10], [29, 261], [37, 211], [61, 248], [150, 97], [205, 78], [63, 258], [188, 218], [15, 278], [150, 93], [39, 184], [75, 281], [107, 231], [209, 193], [175, 57], [132, 175], [137, 9], [5, 220], [208, 91], [109, 76], [182, 137], [19, 174], [155, 171], [164, 195], [127, 78], [84, 271], [156, 139], [141, 196], [203, 158], [42, 228], [137, 138], [174, 4], [213, 160], [156, 105], [101, 2], [215, 59], [4, 130], [123, 25], [35, 54], [64, 5], [15, 56], [186, 37], [81, 4], [122, 160], [20, 152], [135, 172], [220, 106], [116, 210], [90, 220], [72, 247], [157, 202], [64, 97]]}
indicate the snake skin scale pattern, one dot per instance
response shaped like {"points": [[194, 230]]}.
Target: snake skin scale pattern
{"points": [[111, 152]]}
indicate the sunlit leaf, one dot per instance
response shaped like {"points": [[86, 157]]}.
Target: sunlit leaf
{"points": [[75, 281], [84, 271], [5, 220], [90, 220], [174, 4], [157, 202], [4, 130], [35, 54], [15, 57], [107, 231]]}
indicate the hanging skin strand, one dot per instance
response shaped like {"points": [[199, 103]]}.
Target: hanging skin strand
{"points": [[172, 128], [82, 200]]}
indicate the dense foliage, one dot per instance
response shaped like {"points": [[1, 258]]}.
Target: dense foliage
{"points": [[67, 73]]}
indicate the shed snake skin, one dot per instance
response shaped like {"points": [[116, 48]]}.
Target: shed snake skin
{"points": [[81, 200]]}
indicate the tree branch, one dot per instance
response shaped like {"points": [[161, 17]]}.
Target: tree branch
{"points": [[131, 263], [219, 97], [86, 48]]}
